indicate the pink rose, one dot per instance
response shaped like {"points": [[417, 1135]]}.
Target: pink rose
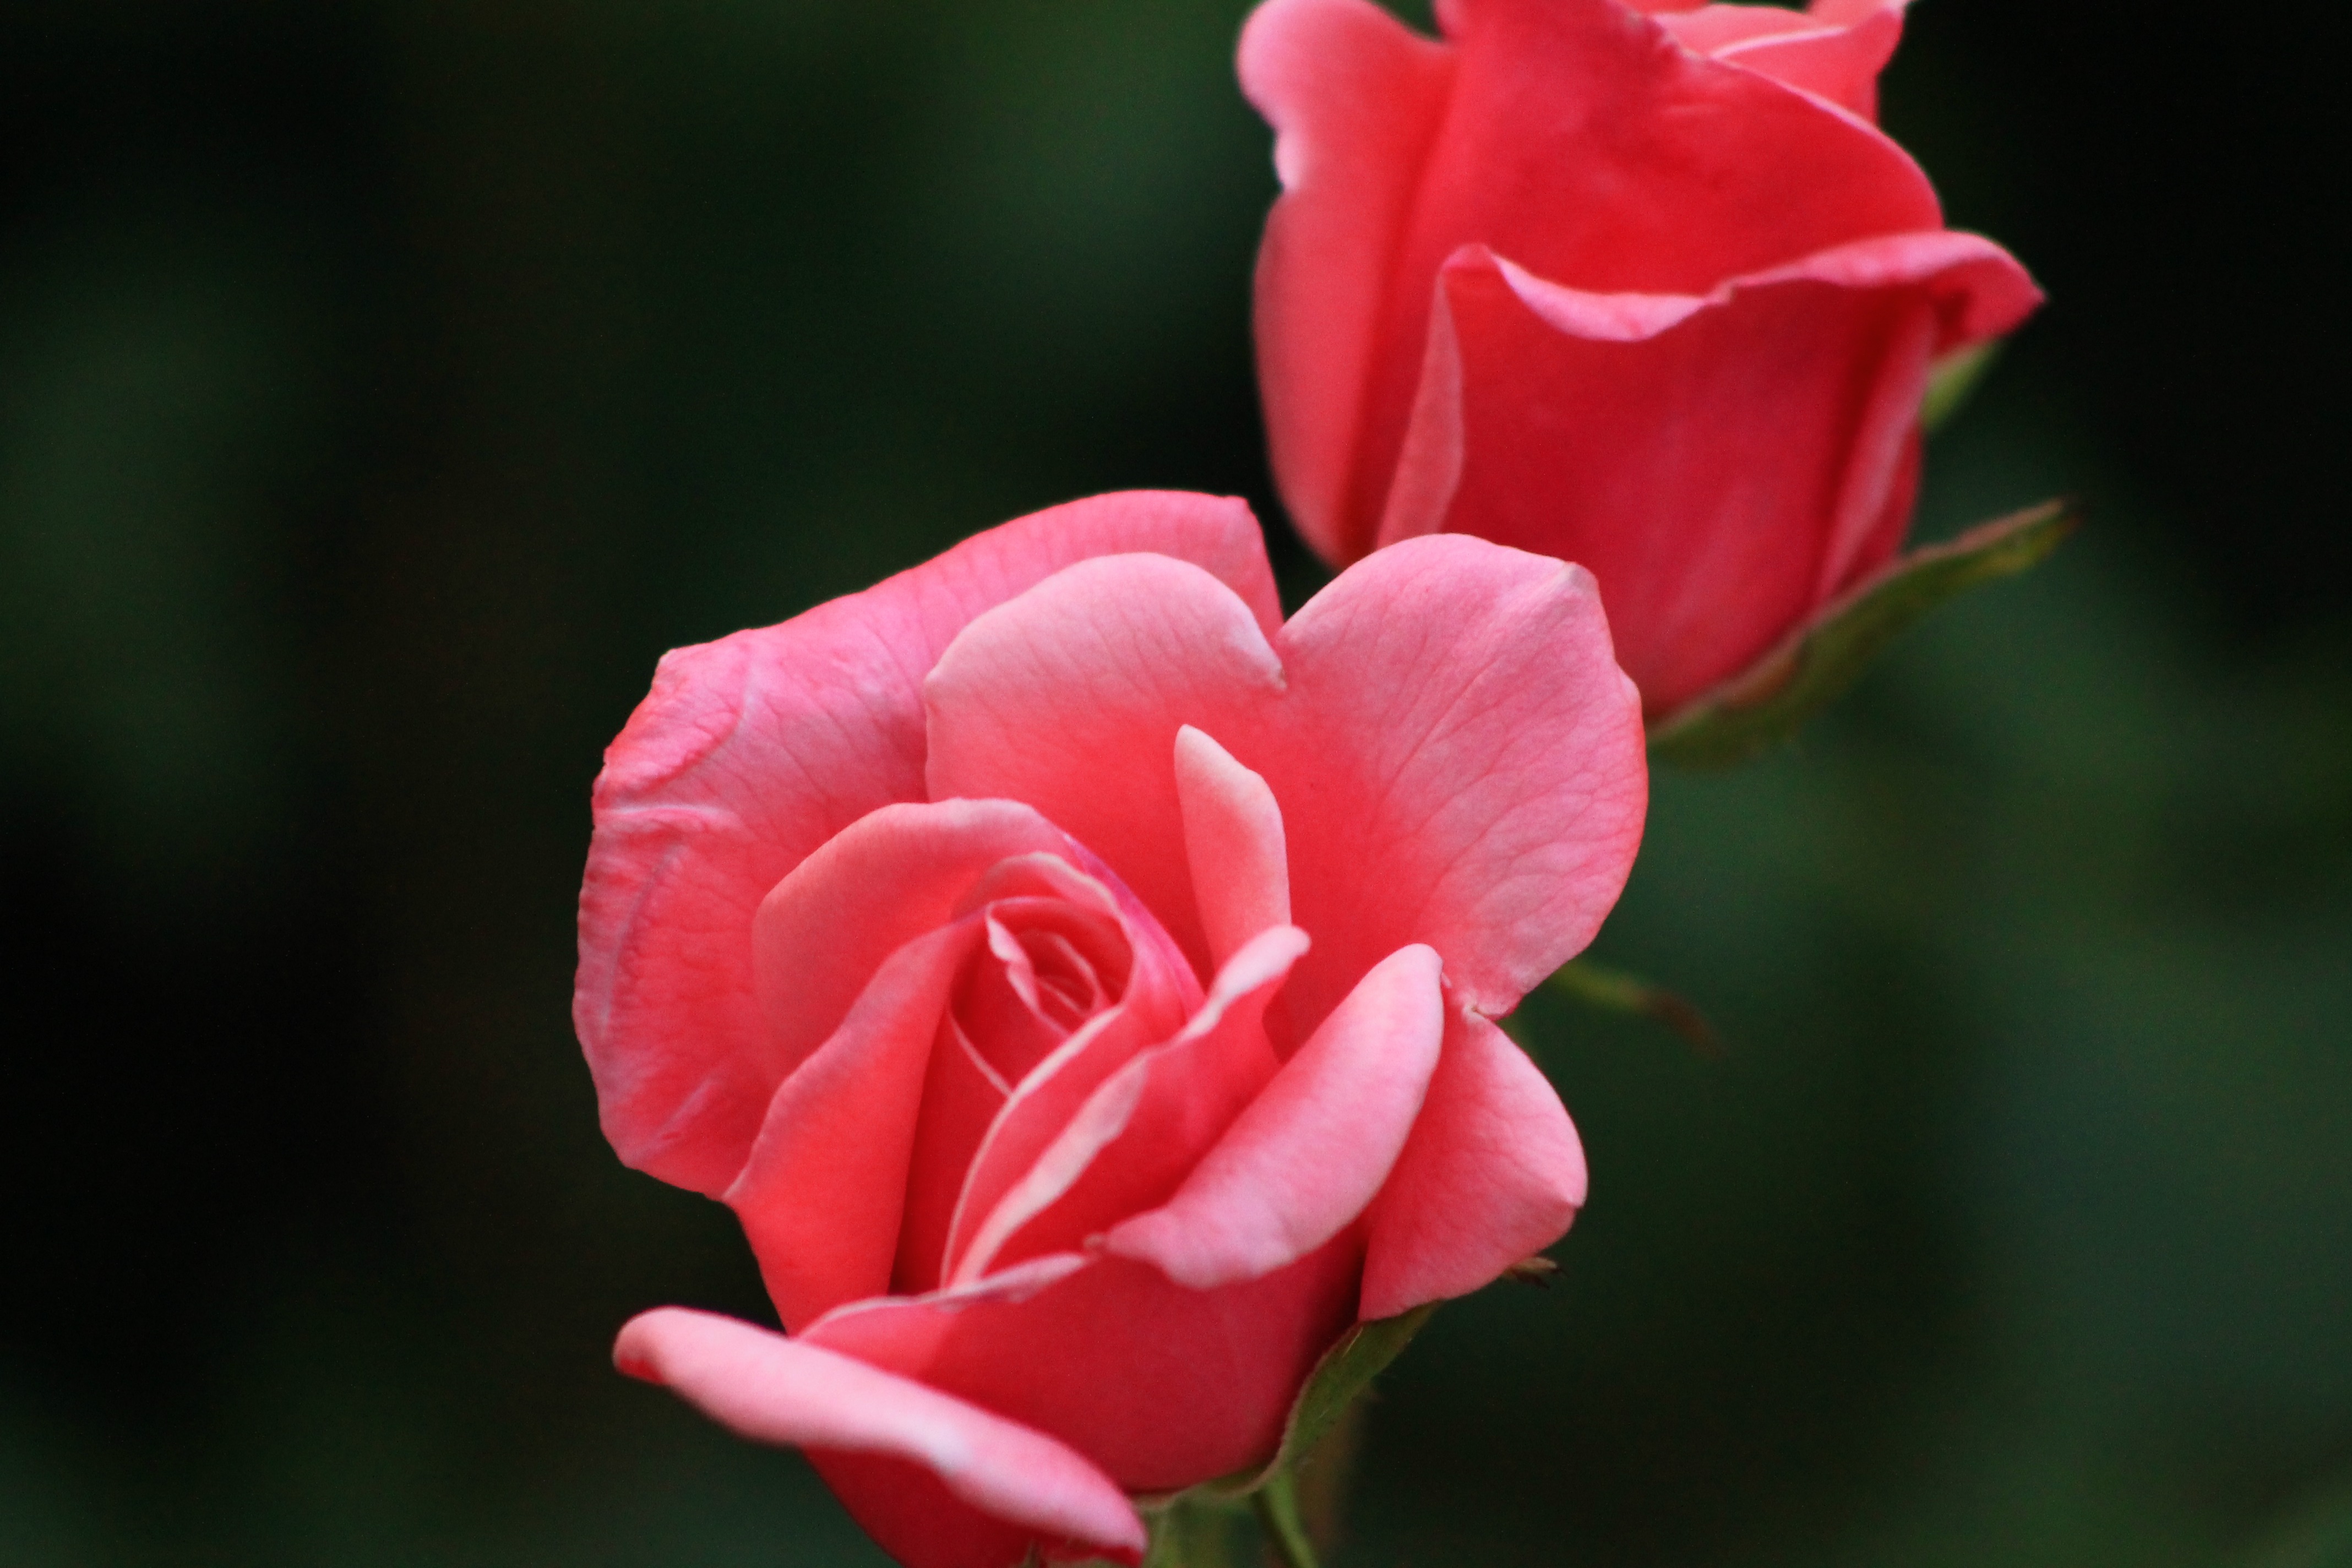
{"points": [[1649, 292], [1079, 982]]}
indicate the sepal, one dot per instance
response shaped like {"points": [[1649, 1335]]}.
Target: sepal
{"points": [[1615, 991], [1767, 702], [1347, 1369], [1953, 380], [1188, 1531], [1192, 1528]]}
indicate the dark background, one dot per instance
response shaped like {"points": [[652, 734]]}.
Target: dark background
{"points": [[384, 386]]}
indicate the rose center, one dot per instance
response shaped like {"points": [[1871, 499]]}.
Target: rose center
{"points": [[1047, 967]]}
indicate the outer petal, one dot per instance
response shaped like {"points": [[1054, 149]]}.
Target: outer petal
{"points": [[822, 1195], [1493, 1172], [1161, 1385], [1355, 100], [1723, 462], [1070, 696], [1587, 145], [749, 754], [1458, 759], [1005, 1485], [1460, 763], [1308, 1156]]}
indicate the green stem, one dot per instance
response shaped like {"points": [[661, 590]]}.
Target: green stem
{"points": [[1277, 1513]]}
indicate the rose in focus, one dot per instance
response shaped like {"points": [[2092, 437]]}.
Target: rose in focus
{"points": [[1080, 983], [1640, 287]]}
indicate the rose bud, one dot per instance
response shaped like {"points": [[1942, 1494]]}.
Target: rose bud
{"points": [[1081, 983], [1639, 286]]}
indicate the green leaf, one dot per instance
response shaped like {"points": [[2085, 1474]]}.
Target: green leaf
{"points": [[1767, 702], [1953, 381], [1615, 991]]}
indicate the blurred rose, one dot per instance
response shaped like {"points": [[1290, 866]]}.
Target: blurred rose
{"points": [[1648, 292], [1079, 983]]}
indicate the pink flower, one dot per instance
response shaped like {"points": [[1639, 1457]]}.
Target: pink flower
{"points": [[1647, 292], [1079, 983]]}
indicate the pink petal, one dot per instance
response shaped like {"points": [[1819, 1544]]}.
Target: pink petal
{"points": [[1493, 1172], [1310, 1153], [1161, 996], [1590, 148], [1456, 757], [1355, 100], [1830, 56], [914, 1518], [1143, 1131], [999, 1473], [1710, 29], [752, 751], [975, 1139], [1233, 845], [1076, 875], [1084, 681], [874, 887], [822, 1192], [1717, 528], [1461, 764], [962, 1100], [1051, 966], [1161, 1385], [1598, 154], [998, 1004]]}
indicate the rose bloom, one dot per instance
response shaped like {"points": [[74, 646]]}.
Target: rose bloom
{"points": [[1080, 983], [1640, 287]]}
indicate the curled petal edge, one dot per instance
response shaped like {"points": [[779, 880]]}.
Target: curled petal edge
{"points": [[752, 751], [1985, 292], [1494, 1172], [769, 1389], [2003, 294]]}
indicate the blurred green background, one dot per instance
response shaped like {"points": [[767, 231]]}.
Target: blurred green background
{"points": [[383, 386]]}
